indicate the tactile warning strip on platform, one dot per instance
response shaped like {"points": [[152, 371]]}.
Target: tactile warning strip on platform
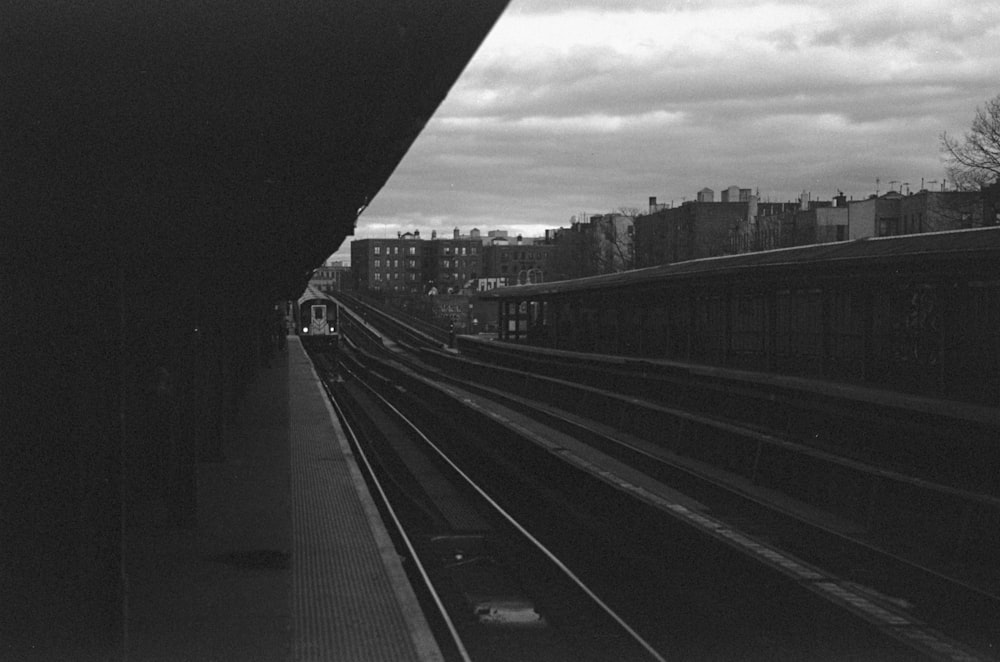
{"points": [[351, 599]]}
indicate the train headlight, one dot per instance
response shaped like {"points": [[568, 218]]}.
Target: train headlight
{"points": [[305, 329]]}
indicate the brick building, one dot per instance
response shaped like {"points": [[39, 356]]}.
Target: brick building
{"points": [[781, 225], [390, 265], [518, 261], [449, 264], [894, 213], [412, 264], [695, 229], [332, 277]]}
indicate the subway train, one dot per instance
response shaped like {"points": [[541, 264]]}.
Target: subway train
{"points": [[317, 315]]}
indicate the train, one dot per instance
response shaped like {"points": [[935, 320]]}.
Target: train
{"points": [[316, 315], [916, 313]]}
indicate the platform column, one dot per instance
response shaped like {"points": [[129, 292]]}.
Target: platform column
{"points": [[517, 321], [502, 319]]}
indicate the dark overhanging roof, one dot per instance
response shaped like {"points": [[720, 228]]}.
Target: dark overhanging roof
{"points": [[222, 141], [168, 170], [311, 293], [980, 243]]}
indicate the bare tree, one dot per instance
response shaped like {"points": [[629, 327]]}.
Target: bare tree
{"points": [[599, 245], [615, 249], [974, 161]]}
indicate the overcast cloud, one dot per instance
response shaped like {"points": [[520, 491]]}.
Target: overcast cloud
{"points": [[581, 106]]}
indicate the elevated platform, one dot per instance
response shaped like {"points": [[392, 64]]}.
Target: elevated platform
{"points": [[182, 167], [289, 559]]}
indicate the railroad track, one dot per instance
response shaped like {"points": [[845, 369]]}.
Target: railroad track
{"points": [[945, 527], [480, 567], [748, 545], [948, 443]]}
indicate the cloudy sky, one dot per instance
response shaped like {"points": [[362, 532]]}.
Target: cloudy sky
{"points": [[592, 105]]}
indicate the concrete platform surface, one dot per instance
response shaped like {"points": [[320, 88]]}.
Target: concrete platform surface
{"points": [[289, 559]]}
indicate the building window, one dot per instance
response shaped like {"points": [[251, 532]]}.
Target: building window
{"points": [[378, 263], [378, 250]]}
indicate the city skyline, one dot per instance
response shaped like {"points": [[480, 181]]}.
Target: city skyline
{"points": [[593, 106]]}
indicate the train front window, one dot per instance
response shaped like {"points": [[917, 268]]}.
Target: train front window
{"points": [[318, 313]]}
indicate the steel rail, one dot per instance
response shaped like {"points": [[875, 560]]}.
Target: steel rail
{"points": [[654, 654], [425, 577], [568, 421], [918, 634]]}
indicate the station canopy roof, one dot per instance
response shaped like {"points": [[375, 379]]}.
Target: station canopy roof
{"points": [[230, 142], [976, 244]]}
